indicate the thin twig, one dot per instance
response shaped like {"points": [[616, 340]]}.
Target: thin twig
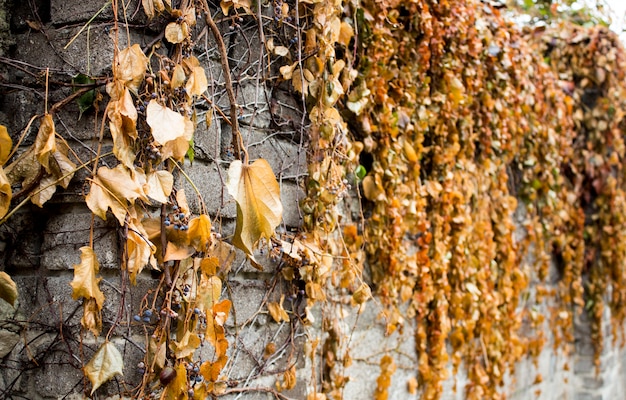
{"points": [[237, 141]]}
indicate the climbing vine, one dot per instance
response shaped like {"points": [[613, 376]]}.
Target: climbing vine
{"points": [[457, 168]]}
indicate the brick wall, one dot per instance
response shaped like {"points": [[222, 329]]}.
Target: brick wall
{"points": [[41, 345]]}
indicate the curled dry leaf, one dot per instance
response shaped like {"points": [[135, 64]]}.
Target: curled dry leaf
{"points": [[5, 145], [104, 365], [85, 283], [5, 193], [8, 288], [259, 210], [277, 311], [45, 143], [152, 7], [92, 317]]}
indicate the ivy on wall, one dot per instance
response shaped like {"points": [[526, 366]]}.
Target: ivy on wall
{"points": [[486, 161]]}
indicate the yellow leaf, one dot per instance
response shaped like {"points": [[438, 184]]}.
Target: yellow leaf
{"points": [[8, 288], [177, 148], [124, 183], [289, 378], [45, 143], [281, 51], [85, 283], [92, 317], [259, 210], [187, 345], [99, 200], [211, 370], [197, 83], [5, 193], [130, 67], [177, 245], [159, 185], [200, 232], [165, 123], [181, 200], [411, 385], [346, 32], [174, 33], [5, 144], [104, 365], [139, 249], [209, 291], [177, 388]]}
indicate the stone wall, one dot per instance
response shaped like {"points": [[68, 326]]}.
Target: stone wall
{"points": [[42, 348]]}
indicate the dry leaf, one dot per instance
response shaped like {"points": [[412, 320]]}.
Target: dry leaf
{"points": [[178, 77], [259, 210], [130, 67], [209, 292], [174, 33], [277, 311], [85, 282], [8, 288], [177, 388], [177, 148], [114, 188], [166, 124], [152, 7], [5, 193], [104, 365], [92, 317], [45, 143], [187, 345], [139, 248], [5, 144], [227, 4], [197, 83], [200, 232], [159, 185]]}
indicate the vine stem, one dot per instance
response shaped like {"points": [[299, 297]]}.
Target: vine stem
{"points": [[237, 141]]}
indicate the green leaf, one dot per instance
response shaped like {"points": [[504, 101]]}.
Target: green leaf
{"points": [[85, 102]]}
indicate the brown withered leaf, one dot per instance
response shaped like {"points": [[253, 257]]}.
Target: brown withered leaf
{"points": [[177, 148], [8, 288], [152, 7], [237, 4], [85, 282], [130, 67], [123, 127], [92, 317], [5, 193], [104, 365], [259, 210], [139, 248], [45, 143], [5, 144], [178, 77], [277, 311]]}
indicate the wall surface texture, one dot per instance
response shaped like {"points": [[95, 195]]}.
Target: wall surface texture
{"points": [[42, 347]]}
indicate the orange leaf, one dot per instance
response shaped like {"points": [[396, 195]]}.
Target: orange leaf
{"points": [[85, 283]]}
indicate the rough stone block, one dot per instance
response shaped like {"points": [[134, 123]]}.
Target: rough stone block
{"points": [[81, 11], [67, 232], [22, 237], [92, 58], [207, 141], [287, 158], [254, 100], [210, 181]]}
